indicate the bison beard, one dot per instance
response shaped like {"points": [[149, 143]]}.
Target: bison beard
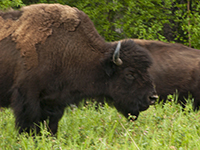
{"points": [[52, 56], [175, 68]]}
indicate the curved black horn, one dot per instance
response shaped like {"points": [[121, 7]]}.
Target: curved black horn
{"points": [[116, 58]]}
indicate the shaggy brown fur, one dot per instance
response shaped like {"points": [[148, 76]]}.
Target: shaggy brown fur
{"points": [[12, 14], [35, 20], [67, 61], [175, 67]]}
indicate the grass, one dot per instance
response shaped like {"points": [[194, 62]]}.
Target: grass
{"points": [[159, 128]]}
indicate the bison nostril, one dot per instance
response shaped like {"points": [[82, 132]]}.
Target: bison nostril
{"points": [[153, 99]]}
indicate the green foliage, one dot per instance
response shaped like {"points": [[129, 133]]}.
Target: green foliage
{"points": [[194, 27], [5, 4], [145, 19], [160, 127]]}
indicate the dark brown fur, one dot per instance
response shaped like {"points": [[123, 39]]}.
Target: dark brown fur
{"points": [[73, 62], [14, 14], [175, 67]]}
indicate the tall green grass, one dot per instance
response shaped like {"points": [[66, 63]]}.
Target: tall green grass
{"points": [[160, 127]]}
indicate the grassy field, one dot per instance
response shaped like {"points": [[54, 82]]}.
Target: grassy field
{"points": [[83, 128]]}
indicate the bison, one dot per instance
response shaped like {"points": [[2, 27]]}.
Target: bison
{"points": [[175, 67], [52, 56]]}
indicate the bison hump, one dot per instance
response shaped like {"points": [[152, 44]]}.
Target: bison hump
{"points": [[35, 25]]}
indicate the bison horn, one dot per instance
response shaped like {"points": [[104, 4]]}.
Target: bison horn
{"points": [[116, 58]]}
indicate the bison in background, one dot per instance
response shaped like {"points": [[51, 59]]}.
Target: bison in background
{"points": [[52, 56], [175, 67]]}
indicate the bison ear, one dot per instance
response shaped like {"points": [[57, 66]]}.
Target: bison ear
{"points": [[108, 65]]}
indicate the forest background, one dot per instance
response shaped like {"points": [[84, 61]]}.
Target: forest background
{"points": [[166, 20]]}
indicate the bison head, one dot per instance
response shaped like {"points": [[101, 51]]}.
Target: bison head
{"points": [[129, 84]]}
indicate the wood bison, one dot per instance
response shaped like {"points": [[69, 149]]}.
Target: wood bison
{"points": [[51, 56], [175, 67]]}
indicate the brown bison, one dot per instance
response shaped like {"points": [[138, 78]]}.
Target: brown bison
{"points": [[175, 67], [52, 56]]}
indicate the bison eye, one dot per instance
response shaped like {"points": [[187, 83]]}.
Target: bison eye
{"points": [[130, 76]]}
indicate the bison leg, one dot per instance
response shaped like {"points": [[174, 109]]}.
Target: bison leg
{"points": [[54, 113], [53, 121], [196, 104], [26, 109]]}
